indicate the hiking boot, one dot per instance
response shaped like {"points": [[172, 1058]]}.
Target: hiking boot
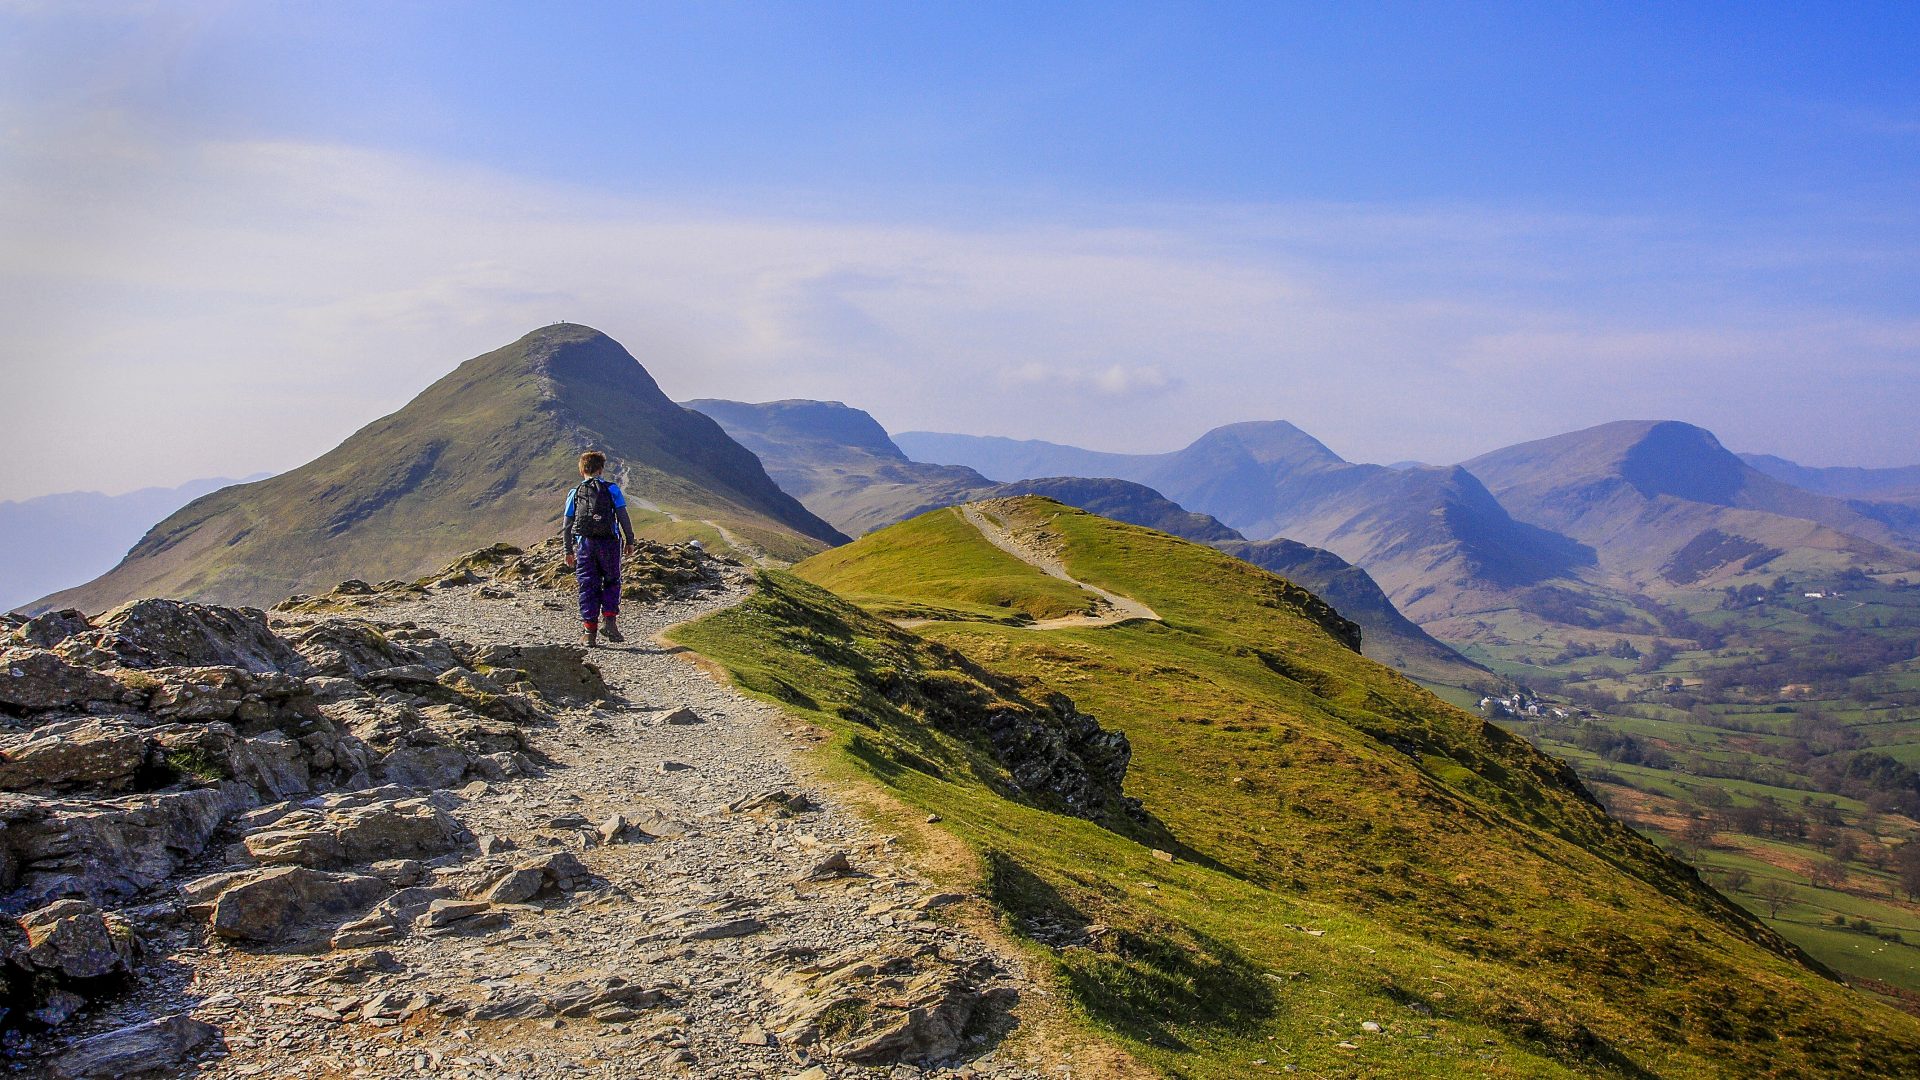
{"points": [[591, 636], [611, 632]]}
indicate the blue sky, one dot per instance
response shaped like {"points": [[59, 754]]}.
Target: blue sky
{"points": [[240, 230]]}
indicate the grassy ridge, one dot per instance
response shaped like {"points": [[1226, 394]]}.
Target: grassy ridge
{"points": [[969, 579], [1474, 903]]}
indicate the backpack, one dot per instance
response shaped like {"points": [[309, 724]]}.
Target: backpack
{"points": [[593, 509]]}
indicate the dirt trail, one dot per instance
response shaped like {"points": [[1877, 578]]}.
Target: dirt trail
{"points": [[1109, 608], [716, 911], [733, 539]]}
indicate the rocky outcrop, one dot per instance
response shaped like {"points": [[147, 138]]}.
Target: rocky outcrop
{"points": [[164, 633], [105, 849], [559, 672], [874, 1008], [650, 573], [48, 629], [129, 744], [1060, 753], [54, 958], [336, 832]]}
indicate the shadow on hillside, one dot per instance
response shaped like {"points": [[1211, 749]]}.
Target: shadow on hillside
{"points": [[1151, 981]]}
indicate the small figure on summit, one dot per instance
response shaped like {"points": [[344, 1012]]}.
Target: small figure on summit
{"points": [[596, 519]]}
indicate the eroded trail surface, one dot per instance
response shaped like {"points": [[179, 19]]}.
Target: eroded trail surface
{"points": [[1109, 608], [659, 892]]}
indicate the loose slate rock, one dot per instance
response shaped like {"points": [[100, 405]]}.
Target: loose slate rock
{"points": [[732, 928], [149, 1049]]}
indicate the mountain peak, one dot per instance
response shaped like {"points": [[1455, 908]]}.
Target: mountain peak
{"points": [[1656, 456], [801, 420], [484, 454], [1270, 442], [1687, 462]]}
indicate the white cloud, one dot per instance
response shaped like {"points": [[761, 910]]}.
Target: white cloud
{"points": [[1112, 380]]}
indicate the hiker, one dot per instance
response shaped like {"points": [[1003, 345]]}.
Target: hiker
{"points": [[596, 519]]}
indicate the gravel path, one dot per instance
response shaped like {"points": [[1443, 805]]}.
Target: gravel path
{"points": [[1110, 608], [711, 907]]}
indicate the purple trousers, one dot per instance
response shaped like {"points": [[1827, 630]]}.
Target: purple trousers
{"points": [[597, 568]]}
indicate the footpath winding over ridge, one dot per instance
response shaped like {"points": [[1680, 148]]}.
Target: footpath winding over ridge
{"points": [[1109, 608], [725, 919]]}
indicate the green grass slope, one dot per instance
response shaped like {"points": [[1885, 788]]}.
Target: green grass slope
{"points": [[1350, 851], [485, 454]]}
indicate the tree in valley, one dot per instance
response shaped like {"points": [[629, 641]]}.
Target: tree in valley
{"points": [[1906, 867], [1697, 833], [1828, 873], [1776, 894]]}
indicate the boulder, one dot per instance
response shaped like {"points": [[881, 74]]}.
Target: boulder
{"points": [[152, 1048], [423, 766], [197, 896], [332, 835], [558, 672], [102, 849], [448, 911], [73, 939], [875, 1009], [361, 650], [160, 633], [46, 630], [199, 694], [516, 886], [477, 733], [924, 1021], [95, 752], [399, 873], [35, 680], [58, 1008], [289, 904], [487, 696]]}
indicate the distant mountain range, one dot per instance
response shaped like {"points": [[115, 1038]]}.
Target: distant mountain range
{"points": [[485, 454], [1664, 504], [1583, 533], [1891, 496], [1433, 537], [1899, 484], [56, 541], [842, 464], [1578, 532]]}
